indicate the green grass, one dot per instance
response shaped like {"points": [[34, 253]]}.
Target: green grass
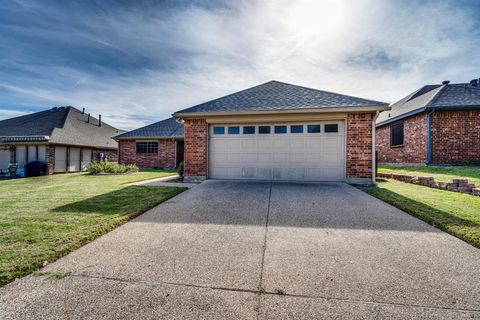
{"points": [[439, 173], [455, 213], [44, 218]]}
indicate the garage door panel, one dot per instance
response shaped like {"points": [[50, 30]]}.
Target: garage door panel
{"points": [[60, 159], [265, 158], [287, 156], [249, 157]]}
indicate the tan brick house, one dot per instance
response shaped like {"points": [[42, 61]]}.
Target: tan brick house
{"points": [[64, 138], [280, 131], [437, 124], [158, 145]]}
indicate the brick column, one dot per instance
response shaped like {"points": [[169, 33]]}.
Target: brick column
{"points": [[196, 149], [50, 151], [359, 147]]}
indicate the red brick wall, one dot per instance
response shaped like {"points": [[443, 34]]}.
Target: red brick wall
{"points": [[359, 145], [165, 158], [414, 149], [196, 146], [455, 136]]}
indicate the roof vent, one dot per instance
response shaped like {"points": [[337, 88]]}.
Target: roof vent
{"points": [[99, 120], [88, 118], [474, 82], [445, 82], [83, 110]]}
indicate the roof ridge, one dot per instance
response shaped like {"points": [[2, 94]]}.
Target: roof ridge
{"points": [[326, 91], [436, 95]]}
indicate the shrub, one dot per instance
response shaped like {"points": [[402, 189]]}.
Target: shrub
{"points": [[180, 169], [99, 167]]}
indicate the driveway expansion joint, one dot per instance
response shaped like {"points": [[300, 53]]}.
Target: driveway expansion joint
{"points": [[270, 293]]}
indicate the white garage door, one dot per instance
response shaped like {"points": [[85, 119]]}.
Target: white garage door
{"points": [[86, 158], [60, 159], [4, 159], [74, 163], [301, 151]]}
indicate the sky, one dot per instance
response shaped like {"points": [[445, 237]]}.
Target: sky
{"points": [[137, 62]]}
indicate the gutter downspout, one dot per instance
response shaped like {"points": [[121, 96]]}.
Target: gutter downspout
{"points": [[429, 137], [374, 169]]}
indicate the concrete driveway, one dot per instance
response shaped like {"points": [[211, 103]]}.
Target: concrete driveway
{"points": [[260, 250]]}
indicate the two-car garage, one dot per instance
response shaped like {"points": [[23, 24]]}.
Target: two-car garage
{"points": [[312, 151]]}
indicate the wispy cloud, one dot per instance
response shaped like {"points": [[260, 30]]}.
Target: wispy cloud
{"points": [[138, 63]]}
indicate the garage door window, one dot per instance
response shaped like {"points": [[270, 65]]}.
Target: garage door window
{"points": [[249, 130], [313, 128], [218, 130], [331, 128], [264, 129], [280, 129], [233, 130], [296, 129]]}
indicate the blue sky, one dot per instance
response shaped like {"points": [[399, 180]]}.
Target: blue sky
{"points": [[136, 62]]}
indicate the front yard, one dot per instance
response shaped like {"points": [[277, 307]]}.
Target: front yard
{"points": [[455, 213], [440, 173], [44, 218]]}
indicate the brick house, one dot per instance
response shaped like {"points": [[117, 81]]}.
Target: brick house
{"points": [[159, 145], [437, 124], [279, 131], [64, 138]]}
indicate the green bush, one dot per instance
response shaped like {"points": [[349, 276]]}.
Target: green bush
{"points": [[99, 167], [180, 169]]}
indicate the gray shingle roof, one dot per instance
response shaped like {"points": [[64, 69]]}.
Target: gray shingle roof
{"points": [[457, 96], [64, 125], [168, 128], [275, 95]]}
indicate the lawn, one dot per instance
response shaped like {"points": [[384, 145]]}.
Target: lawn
{"points": [[439, 173], [455, 213], [44, 218]]}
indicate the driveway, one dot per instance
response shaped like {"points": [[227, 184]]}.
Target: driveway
{"points": [[260, 250]]}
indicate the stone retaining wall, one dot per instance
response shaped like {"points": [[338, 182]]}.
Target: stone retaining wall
{"points": [[457, 185]]}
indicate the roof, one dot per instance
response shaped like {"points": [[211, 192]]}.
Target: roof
{"points": [[63, 125], [457, 96], [278, 96], [168, 128]]}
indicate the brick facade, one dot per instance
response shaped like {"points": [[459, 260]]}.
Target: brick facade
{"points": [[110, 155], [455, 139], [359, 146], [165, 158], [414, 149], [455, 136], [196, 148]]}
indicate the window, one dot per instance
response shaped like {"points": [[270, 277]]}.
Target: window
{"points": [[313, 128], [396, 134], [147, 147], [233, 130], [218, 130], [296, 129], [331, 128], [280, 129], [264, 129], [249, 130]]}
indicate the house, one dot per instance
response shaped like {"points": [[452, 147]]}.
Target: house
{"points": [[65, 138], [280, 131], [159, 145], [437, 124]]}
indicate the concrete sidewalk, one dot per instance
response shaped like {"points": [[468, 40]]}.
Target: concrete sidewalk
{"points": [[259, 250]]}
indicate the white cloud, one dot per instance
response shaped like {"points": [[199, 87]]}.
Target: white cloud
{"points": [[374, 49]]}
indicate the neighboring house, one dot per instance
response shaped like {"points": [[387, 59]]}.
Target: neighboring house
{"points": [[437, 124], [279, 131], [65, 138], [159, 145]]}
